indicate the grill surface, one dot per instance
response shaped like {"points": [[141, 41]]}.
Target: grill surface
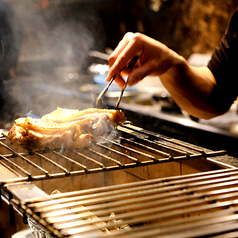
{"points": [[140, 184], [133, 147], [198, 205]]}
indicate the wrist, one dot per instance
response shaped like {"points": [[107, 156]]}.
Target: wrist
{"points": [[179, 64]]}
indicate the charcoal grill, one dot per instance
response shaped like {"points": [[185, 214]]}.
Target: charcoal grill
{"points": [[137, 184]]}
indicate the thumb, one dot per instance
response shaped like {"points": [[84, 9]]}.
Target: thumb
{"points": [[138, 74]]}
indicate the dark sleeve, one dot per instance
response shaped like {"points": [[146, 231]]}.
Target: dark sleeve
{"points": [[224, 64]]}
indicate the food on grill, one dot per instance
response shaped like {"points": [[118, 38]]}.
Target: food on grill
{"points": [[65, 128]]}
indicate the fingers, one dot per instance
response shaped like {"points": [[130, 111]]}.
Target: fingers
{"points": [[123, 54], [122, 44], [149, 52], [138, 74], [120, 81]]}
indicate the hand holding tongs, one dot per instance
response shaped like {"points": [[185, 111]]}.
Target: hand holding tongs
{"points": [[100, 96]]}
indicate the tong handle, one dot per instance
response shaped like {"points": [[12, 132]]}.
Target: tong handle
{"points": [[133, 61], [131, 64], [120, 97]]}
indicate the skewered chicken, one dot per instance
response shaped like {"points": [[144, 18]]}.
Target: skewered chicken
{"points": [[65, 128]]}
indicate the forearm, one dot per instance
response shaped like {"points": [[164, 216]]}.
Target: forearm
{"points": [[192, 89]]}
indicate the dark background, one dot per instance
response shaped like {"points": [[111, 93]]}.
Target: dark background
{"points": [[187, 26], [57, 36]]}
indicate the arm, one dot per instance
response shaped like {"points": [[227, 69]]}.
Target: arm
{"points": [[192, 88]]}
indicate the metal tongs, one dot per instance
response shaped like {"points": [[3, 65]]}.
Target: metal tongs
{"points": [[131, 64]]}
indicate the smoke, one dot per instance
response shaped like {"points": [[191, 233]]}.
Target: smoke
{"points": [[104, 129], [54, 51]]}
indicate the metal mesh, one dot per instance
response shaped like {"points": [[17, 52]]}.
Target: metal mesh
{"points": [[133, 147], [194, 205], [197, 205]]}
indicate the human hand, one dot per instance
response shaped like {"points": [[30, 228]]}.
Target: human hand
{"points": [[154, 58]]}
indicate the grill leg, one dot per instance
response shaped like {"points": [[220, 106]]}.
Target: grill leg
{"points": [[12, 215]]}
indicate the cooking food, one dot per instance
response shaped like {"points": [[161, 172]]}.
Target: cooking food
{"points": [[65, 128]]}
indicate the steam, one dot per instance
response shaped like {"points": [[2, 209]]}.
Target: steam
{"points": [[54, 52], [104, 129]]}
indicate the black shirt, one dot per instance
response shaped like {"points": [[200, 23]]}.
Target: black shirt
{"points": [[224, 63]]}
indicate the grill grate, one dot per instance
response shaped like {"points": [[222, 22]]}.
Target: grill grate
{"points": [[197, 205], [128, 202], [133, 147]]}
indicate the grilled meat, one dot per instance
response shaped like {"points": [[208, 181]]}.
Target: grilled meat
{"points": [[65, 128]]}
